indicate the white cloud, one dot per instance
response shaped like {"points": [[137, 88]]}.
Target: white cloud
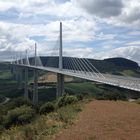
{"points": [[133, 43], [102, 8], [130, 52], [116, 12], [17, 37], [5, 5], [135, 33], [41, 18]]}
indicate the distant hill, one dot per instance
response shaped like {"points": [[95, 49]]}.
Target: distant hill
{"points": [[122, 62], [115, 65]]}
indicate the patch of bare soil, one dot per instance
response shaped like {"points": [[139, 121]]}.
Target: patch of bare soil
{"points": [[105, 120], [50, 77]]}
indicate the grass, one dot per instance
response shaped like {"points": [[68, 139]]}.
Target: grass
{"points": [[83, 88], [132, 73], [5, 74]]}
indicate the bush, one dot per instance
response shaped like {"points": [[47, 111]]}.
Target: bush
{"points": [[47, 108], [138, 101], [111, 96], [21, 101], [80, 97], [19, 115], [68, 113], [65, 100], [18, 102]]}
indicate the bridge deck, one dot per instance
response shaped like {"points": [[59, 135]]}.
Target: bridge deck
{"points": [[114, 80]]}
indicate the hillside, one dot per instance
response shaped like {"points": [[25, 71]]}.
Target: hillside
{"points": [[114, 64]]}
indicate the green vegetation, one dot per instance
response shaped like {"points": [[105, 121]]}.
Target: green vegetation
{"points": [[86, 88], [133, 73], [97, 91], [66, 100], [47, 108], [111, 96], [5, 74], [2, 98], [67, 113], [138, 101], [24, 122], [18, 116]]}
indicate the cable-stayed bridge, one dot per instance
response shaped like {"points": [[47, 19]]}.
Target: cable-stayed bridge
{"points": [[71, 66]]}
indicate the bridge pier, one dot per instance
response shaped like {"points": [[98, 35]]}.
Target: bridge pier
{"points": [[16, 73], [20, 77], [60, 77], [26, 95], [60, 85], [35, 93], [13, 71]]}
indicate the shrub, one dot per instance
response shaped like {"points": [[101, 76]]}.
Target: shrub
{"points": [[80, 97], [21, 101], [111, 96], [18, 102], [68, 113], [65, 100], [19, 115], [138, 101], [47, 108]]}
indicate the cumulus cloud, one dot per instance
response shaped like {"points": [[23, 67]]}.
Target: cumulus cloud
{"points": [[130, 52], [102, 8], [24, 22], [19, 37], [119, 12]]}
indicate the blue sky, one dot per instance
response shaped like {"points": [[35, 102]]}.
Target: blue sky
{"points": [[96, 29]]}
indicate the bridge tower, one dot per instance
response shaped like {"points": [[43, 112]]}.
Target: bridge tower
{"points": [[60, 77], [35, 94]]}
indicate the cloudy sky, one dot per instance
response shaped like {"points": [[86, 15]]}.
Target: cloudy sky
{"points": [[91, 28]]}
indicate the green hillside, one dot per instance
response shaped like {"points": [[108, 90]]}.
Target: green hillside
{"points": [[117, 66]]}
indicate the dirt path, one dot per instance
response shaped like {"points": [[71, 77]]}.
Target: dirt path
{"points": [[105, 120]]}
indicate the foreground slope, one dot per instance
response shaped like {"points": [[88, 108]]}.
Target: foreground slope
{"points": [[105, 120]]}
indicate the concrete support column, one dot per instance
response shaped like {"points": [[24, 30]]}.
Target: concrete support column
{"points": [[26, 84], [16, 73], [60, 77], [60, 85], [35, 94], [20, 77]]}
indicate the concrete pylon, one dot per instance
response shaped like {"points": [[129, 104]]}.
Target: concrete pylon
{"points": [[20, 77], [60, 85], [60, 77], [26, 95], [14, 72], [35, 93]]}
